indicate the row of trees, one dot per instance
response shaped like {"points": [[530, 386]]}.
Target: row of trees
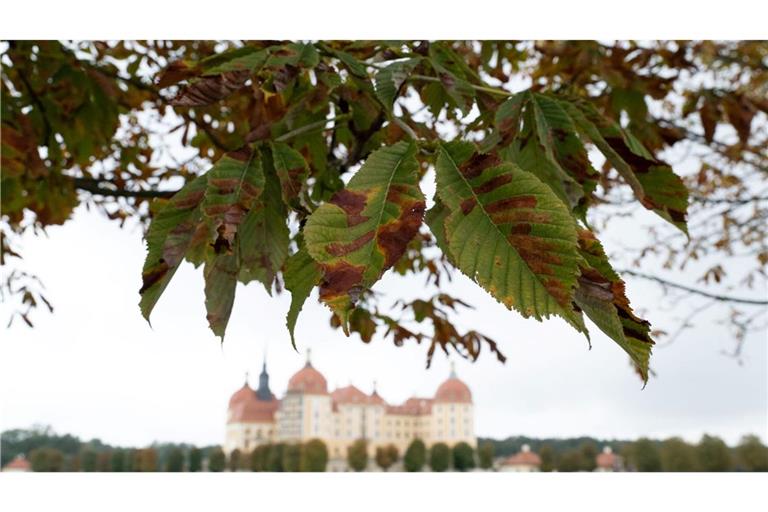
{"points": [[709, 454], [48, 451], [440, 456]]}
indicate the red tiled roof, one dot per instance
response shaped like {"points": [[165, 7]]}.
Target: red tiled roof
{"points": [[308, 380], [349, 395], [453, 390], [19, 463], [412, 407], [606, 460], [523, 459], [253, 410]]}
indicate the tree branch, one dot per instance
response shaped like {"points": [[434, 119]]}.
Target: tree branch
{"points": [[109, 189], [722, 298]]}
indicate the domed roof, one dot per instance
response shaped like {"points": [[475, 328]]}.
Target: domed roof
{"points": [[308, 380], [253, 410], [241, 395], [453, 390]]}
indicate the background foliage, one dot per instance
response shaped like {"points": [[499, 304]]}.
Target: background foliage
{"points": [[305, 164]]}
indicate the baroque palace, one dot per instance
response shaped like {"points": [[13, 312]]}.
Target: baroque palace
{"points": [[308, 410]]}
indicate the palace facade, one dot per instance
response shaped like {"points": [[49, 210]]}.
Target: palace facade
{"points": [[308, 410]]}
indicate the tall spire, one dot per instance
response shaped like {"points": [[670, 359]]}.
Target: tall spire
{"points": [[263, 392], [453, 370], [309, 358]]}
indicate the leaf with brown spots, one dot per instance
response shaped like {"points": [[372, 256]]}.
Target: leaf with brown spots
{"points": [[601, 295], [292, 171], [365, 227], [263, 236], [220, 273], [169, 237], [234, 184], [654, 182], [509, 232], [210, 89]]}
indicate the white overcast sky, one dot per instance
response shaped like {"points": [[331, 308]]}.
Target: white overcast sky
{"points": [[95, 368]]}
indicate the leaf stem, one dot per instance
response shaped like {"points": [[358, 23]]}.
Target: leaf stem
{"points": [[311, 126], [489, 90], [404, 126]]}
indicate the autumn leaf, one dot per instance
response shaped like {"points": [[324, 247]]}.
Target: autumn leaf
{"points": [[509, 232], [601, 295], [234, 184], [168, 239], [364, 229]]}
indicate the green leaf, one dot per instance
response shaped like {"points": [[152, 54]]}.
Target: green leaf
{"points": [[292, 171], [453, 76], [510, 233], [168, 239], [234, 184], [263, 237], [391, 78], [295, 54], [355, 66], [301, 274], [654, 182], [220, 275], [601, 295], [365, 227], [435, 220], [242, 59]]}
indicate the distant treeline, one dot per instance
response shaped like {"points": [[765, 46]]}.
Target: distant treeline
{"points": [[48, 451], [674, 454]]}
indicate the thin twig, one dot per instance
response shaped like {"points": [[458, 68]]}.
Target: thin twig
{"points": [[722, 298]]}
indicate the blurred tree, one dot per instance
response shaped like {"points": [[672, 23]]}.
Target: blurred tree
{"points": [[357, 455], [677, 455], [195, 460], [485, 455], [463, 457], [81, 126], [415, 456], [47, 460], [88, 460], [146, 460], [117, 461], [260, 458], [72, 463], [275, 458], [713, 455], [234, 460], [440, 457], [644, 455], [547, 455], [130, 460], [588, 456], [386, 456], [752, 454], [570, 461], [217, 460], [104, 461], [314, 456], [292, 457], [175, 461]]}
